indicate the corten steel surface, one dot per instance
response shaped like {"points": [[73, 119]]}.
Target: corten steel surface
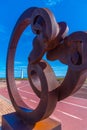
{"points": [[51, 38]]}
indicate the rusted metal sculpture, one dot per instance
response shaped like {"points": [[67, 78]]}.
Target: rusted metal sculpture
{"points": [[51, 38]]}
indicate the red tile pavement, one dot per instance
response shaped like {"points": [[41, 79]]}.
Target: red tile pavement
{"points": [[71, 112]]}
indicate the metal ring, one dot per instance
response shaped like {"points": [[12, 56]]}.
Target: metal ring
{"points": [[71, 83], [42, 111]]}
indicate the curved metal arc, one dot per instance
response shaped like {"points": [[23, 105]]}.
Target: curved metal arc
{"points": [[72, 82], [11, 52], [51, 29], [44, 93], [42, 110], [76, 74], [78, 41], [50, 77], [38, 51], [15, 97]]}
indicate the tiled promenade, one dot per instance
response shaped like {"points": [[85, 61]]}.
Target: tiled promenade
{"points": [[5, 107], [71, 112]]}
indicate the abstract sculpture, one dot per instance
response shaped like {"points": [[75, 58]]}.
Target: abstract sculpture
{"points": [[51, 38]]}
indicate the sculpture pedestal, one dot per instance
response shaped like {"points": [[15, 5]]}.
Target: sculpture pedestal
{"points": [[48, 124], [13, 122]]}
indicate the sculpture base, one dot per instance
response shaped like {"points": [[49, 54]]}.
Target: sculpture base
{"points": [[13, 122]]}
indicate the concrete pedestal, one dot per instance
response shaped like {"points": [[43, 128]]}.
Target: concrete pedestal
{"points": [[13, 122]]}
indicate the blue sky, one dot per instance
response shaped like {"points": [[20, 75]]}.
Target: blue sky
{"points": [[73, 12]]}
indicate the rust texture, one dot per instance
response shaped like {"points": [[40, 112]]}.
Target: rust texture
{"points": [[51, 39]]}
